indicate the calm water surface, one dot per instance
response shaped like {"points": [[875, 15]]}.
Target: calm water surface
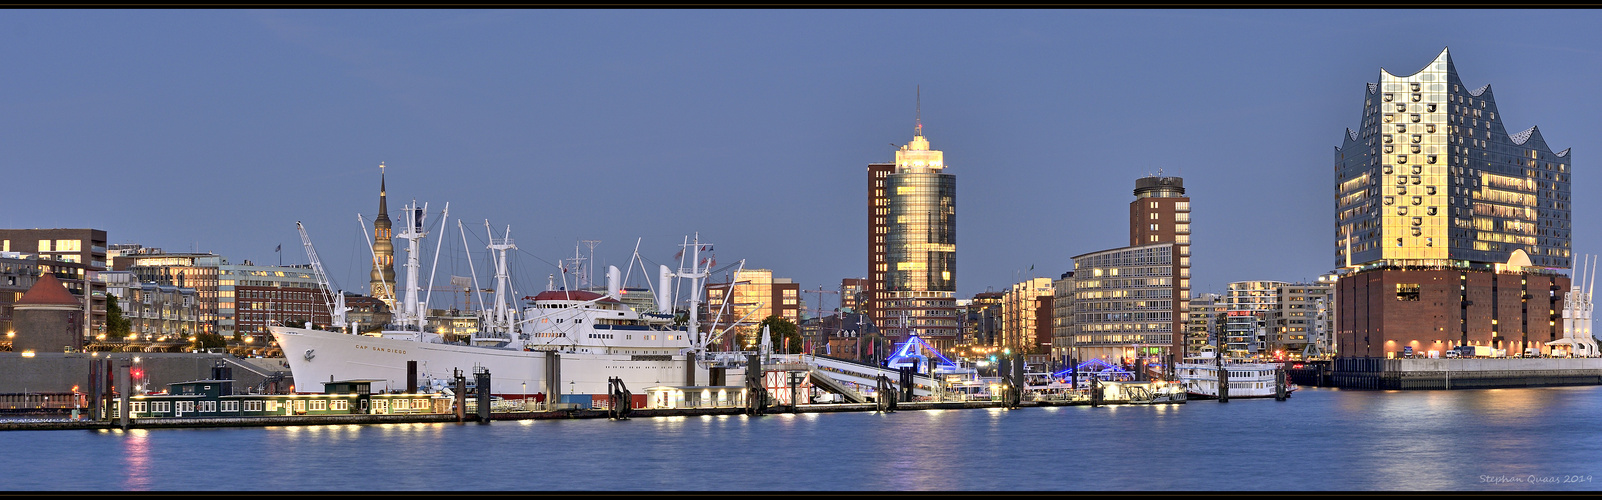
{"points": [[1322, 439]]}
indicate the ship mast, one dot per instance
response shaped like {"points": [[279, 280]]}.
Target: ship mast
{"points": [[410, 315], [695, 273], [501, 316]]}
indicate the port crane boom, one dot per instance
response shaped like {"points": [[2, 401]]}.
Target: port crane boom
{"points": [[335, 302]]}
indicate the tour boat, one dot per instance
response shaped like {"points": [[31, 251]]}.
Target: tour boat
{"points": [[1246, 379]]}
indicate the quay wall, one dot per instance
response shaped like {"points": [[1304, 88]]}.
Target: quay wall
{"points": [[1472, 373], [60, 372], [361, 419]]}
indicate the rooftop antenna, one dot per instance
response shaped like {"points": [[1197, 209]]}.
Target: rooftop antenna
{"points": [[917, 116], [589, 270]]}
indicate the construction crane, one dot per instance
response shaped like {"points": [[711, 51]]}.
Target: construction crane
{"points": [[820, 311], [335, 302]]}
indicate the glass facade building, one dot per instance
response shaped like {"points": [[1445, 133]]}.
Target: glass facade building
{"points": [[1432, 178], [1451, 230], [744, 300], [912, 251]]}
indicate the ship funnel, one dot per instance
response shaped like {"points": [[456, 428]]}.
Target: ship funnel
{"points": [[613, 279], [664, 290]]}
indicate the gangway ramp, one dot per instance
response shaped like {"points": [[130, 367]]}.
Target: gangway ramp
{"points": [[839, 370], [823, 380]]}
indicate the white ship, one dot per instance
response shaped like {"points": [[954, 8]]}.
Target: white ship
{"points": [[1246, 380], [577, 340], [563, 342]]}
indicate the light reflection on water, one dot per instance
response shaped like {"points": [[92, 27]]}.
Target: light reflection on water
{"points": [[1321, 439], [136, 450]]}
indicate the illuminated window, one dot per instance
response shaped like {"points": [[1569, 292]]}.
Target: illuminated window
{"points": [[1408, 292]]}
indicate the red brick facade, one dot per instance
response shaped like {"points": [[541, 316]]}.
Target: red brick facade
{"points": [[1379, 312]]}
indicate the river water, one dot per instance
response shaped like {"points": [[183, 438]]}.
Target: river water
{"points": [[1319, 440]]}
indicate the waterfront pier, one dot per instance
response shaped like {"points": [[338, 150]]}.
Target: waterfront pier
{"points": [[1472, 373]]}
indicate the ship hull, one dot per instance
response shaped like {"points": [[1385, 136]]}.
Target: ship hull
{"points": [[1201, 380], [316, 357]]}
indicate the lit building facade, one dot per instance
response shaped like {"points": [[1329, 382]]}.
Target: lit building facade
{"points": [[1301, 321], [1062, 307], [912, 251], [1123, 304], [1451, 230], [1431, 176], [74, 256], [185, 270], [744, 300], [18, 271], [982, 319], [1204, 321], [1134, 301], [852, 292], [155, 313], [252, 297], [1161, 214], [1021, 307]]}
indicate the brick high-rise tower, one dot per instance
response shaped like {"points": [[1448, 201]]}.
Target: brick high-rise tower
{"points": [[912, 250]]}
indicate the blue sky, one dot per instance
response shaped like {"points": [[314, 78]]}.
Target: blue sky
{"points": [[218, 130]]}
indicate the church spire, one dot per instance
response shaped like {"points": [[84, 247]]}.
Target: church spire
{"points": [[382, 278], [383, 205]]}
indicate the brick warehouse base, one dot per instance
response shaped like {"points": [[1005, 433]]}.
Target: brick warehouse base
{"points": [[1379, 373]]}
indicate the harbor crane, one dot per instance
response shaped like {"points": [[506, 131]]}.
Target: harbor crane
{"points": [[334, 301]]}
